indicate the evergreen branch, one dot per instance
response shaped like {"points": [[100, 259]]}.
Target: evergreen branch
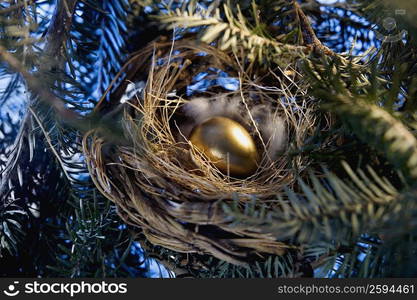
{"points": [[360, 107], [377, 127], [13, 157], [236, 32], [332, 209], [90, 219], [58, 33], [48, 139], [203, 266], [232, 33], [11, 214], [54, 42], [65, 114], [10, 227], [93, 48], [39, 89], [310, 38]]}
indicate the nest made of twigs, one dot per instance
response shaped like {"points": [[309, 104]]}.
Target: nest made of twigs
{"points": [[169, 189]]}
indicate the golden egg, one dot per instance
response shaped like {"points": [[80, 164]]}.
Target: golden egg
{"points": [[227, 144]]}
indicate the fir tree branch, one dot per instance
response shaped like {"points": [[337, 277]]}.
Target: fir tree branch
{"points": [[43, 94], [39, 89], [58, 33], [48, 139], [231, 32], [309, 36], [6, 174]]}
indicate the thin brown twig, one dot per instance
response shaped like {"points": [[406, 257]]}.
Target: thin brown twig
{"points": [[309, 36]]}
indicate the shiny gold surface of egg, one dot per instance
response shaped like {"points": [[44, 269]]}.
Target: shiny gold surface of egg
{"points": [[227, 144]]}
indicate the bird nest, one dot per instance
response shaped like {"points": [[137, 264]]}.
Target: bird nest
{"points": [[165, 186]]}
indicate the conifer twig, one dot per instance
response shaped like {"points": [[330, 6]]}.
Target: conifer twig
{"points": [[55, 39], [309, 36], [38, 89], [49, 141], [58, 33]]}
